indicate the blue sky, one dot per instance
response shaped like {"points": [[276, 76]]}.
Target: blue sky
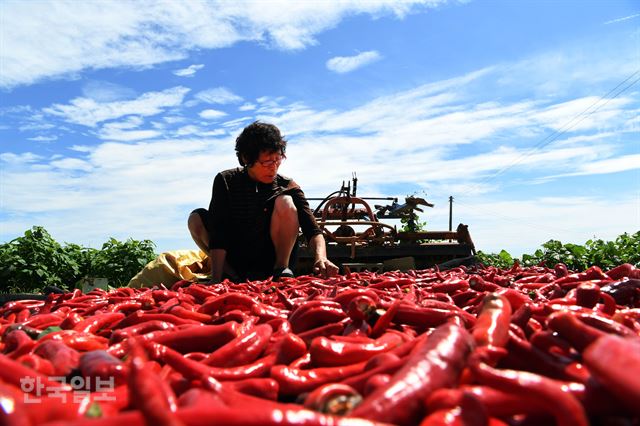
{"points": [[115, 116]]}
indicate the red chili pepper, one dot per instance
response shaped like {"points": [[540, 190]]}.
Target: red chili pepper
{"points": [[323, 330], [138, 316], [515, 298], [450, 286], [294, 381], [145, 390], [541, 390], [14, 373], [615, 362], [139, 329], [17, 343], [43, 321], [213, 305], [605, 324], [243, 349], [287, 347], [100, 364], [333, 398], [305, 306], [345, 297], [326, 352], [77, 340], [576, 332], [131, 305], [37, 363], [588, 294], [95, 323], [265, 388], [478, 284], [469, 412], [524, 356], [437, 362], [549, 341], [268, 313], [498, 403], [561, 270], [13, 410], [360, 308], [385, 319], [194, 338], [492, 326], [73, 319], [197, 371], [315, 317], [423, 317], [182, 312], [63, 358]]}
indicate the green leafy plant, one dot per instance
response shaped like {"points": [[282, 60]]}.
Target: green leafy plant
{"points": [[120, 261], [411, 223], [605, 254], [35, 260]]}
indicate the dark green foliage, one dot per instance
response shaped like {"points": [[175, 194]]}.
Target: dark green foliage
{"points": [[35, 260], [605, 254], [120, 261]]}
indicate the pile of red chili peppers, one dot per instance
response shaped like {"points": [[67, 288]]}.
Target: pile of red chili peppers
{"points": [[465, 346]]}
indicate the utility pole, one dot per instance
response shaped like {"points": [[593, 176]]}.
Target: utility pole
{"points": [[450, 213]]}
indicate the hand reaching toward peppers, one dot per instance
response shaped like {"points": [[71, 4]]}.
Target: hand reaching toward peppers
{"points": [[325, 268]]}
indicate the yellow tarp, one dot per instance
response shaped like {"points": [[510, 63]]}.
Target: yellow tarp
{"points": [[172, 266]]}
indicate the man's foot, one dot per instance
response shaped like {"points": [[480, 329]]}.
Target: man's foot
{"points": [[282, 273]]}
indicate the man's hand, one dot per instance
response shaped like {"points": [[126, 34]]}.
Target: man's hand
{"points": [[324, 267]]}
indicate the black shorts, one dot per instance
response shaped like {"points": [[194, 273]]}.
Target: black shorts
{"points": [[265, 269]]}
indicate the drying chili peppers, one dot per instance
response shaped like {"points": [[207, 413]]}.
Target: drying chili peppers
{"points": [[469, 345]]}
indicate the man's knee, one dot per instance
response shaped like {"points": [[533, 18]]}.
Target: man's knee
{"points": [[195, 223], [284, 206]]}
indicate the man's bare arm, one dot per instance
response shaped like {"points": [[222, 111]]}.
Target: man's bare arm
{"points": [[218, 257]]}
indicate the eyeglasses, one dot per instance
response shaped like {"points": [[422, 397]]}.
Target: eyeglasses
{"points": [[269, 163]]}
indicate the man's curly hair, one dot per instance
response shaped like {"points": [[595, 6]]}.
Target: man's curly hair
{"points": [[258, 137]]}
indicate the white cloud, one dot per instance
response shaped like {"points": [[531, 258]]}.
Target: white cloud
{"points": [[19, 159], [43, 138], [344, 64], [625, 18], [126, 130], [88, 112], [521, 226], [190, 71], [610, 165], [247, 107], [212, 114], [218, 95], [104, 91], [72, 164], [54, 38]]}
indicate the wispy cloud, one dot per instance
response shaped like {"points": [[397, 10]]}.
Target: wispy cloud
{"points": [[190, 71], [626, 18], [104, 91], [345, 64], [218, 95], [88, 112], [43, 138], [142, 34], [212, 114]]}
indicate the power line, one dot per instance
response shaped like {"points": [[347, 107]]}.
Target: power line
{"points": [[589, 111], [570, 124]]}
